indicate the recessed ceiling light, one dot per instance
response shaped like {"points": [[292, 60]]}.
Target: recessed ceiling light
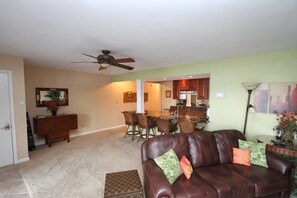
{"points": [[190, 76], [164, 78]]}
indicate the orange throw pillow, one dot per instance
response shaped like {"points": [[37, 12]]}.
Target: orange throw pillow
{"points": [[186, 167], [241, 156]]}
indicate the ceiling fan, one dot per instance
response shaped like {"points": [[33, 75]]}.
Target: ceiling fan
{"points": [[105, 60]]}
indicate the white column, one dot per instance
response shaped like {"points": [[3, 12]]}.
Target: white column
{"points": [[140, 96]]}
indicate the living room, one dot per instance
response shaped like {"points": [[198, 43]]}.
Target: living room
{"points": [[97, 99]]}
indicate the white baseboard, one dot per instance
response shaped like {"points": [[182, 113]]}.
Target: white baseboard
{"points": [[22, 160], [41, 142], [95, 131]]}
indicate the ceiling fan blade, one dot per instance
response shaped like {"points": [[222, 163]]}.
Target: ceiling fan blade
{"points": [[89, 55], [125, 60], [101, 68], [123, 66], [83, 62]]}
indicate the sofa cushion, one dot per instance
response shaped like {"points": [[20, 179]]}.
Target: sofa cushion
{"points": [[241, 156], [266, 180], [228, 183], [186, 167], [226, 140], [169, 164], [203, 149], [159, 145], [258, 152], [193, 188]]}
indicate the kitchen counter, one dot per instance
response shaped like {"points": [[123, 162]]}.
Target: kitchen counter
{"points": [[199, 111]]}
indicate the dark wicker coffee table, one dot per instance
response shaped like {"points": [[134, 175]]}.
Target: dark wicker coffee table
{"points": [[125, 184]]}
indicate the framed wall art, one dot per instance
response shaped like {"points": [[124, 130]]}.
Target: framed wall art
{"points": [[168, 93]]}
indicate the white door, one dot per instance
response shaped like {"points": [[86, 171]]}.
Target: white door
{"points": [[6, 147]]}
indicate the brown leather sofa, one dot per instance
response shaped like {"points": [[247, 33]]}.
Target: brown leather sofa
{"points": [[214, 174]]}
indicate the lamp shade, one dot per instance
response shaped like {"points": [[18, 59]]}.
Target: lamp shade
{"points": [[250, 85]]}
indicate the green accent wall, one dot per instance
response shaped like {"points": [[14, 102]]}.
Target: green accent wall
{"points": [[226, 76]]}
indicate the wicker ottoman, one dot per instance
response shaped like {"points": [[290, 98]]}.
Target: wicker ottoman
{"points": [[123, 184]]}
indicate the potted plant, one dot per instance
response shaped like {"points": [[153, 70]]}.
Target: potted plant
{"points": [[54, 103]]}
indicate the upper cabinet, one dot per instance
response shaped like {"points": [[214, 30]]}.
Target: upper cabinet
{"points": [[175, 92], [199, 85], [203, 89], [187, 85]]}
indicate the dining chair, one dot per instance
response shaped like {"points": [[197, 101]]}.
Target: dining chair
{"points": [[131, 121], [147, 123], [166, 126], [187, 126]]}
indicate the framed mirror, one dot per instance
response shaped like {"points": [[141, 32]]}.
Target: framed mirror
{"points": [[43, 95]]}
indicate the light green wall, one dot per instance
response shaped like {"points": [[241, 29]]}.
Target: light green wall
{"points": [[226, 76]]}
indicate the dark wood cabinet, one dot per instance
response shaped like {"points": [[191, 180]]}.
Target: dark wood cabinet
{"points": [[175, 89], [199, 85], [55, 128], [203, 89], [187, 85]]}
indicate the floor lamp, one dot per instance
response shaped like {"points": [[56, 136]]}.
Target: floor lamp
{"points": [[249, 87]]}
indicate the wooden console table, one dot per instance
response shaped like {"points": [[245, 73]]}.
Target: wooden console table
{"points": [[55, 128], [289, 150]]}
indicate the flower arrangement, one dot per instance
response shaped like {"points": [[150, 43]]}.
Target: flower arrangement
{"points": [[287, 121], [287, 125]]}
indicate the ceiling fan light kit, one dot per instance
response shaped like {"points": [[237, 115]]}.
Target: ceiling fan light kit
{"points": [[105, 60]]}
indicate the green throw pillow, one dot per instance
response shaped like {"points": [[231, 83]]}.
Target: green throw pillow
{"points": [[169, 163], [258, 152]]}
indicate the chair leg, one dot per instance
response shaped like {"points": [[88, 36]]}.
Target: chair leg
{"points": [[133, 132], [140, 136], [154, 131], [127, 131]]}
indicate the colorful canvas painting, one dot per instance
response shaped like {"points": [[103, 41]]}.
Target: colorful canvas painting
{"points": [[276, 98], [261, 98]]}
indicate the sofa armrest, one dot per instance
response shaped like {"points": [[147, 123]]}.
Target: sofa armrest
{"points": [[279, 164], [155, 183]]}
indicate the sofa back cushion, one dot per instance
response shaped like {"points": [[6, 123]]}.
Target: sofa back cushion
{"points": [[203, 149], [225, 140], [157, 146]]}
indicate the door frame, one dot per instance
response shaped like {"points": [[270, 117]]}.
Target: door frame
{"points": [[12, 117]]}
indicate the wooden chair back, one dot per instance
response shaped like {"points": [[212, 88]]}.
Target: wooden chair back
{"points": [[187, 126]]}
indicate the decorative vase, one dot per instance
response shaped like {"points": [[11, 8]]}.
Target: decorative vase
{"points": [[279, 134], [287, 136], [54, 112]]}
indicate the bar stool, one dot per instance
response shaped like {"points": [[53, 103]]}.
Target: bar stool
{"points": [[147, 123], [131, 121], [188, 126], [166, 126]]}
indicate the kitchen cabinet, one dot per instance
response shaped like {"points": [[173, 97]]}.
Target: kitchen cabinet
{"points": [[187, 85], [203, 89], [199, 85], [175, 89]]}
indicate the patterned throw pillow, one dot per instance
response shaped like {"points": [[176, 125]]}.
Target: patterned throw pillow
{"points": [[186, 167], [169, 163], [241, 156], [258, 152]]}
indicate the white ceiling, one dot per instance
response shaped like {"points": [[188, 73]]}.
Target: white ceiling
{"points": [[156, 33]]}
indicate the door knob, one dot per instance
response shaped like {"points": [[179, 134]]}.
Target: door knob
{"points": [[6, 127]]}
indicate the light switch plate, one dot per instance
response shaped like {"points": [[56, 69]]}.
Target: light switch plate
{"points": [[220, 95]]}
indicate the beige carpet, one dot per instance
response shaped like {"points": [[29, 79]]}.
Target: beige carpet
{"points": [[78, 168]]}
